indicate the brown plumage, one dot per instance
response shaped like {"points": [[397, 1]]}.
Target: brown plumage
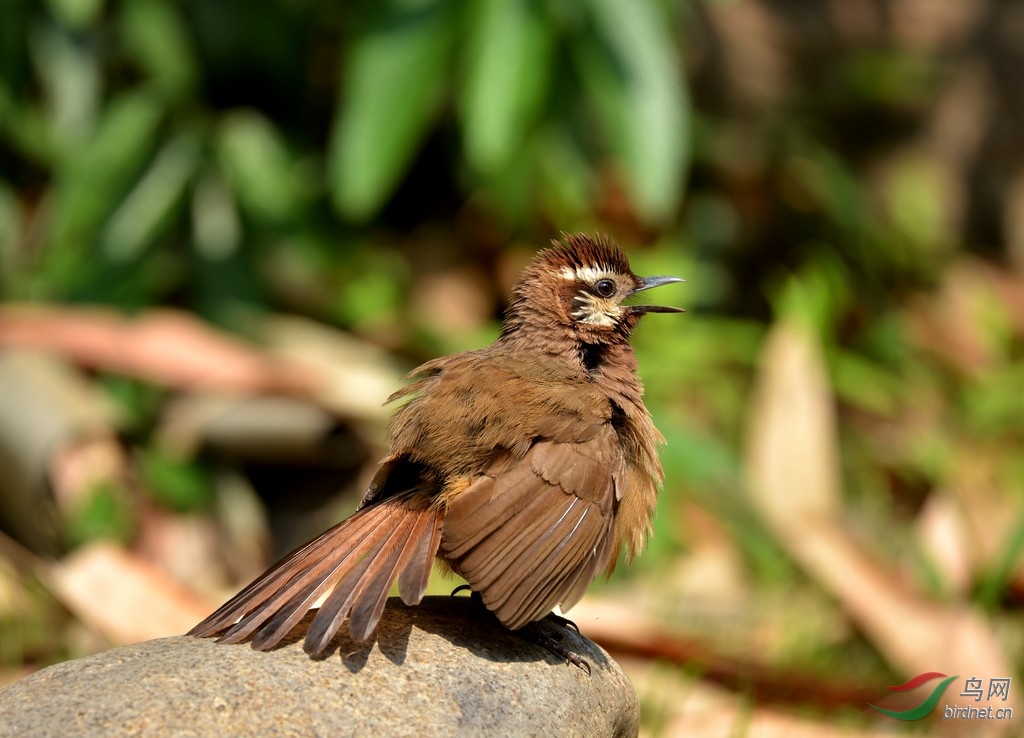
{"points": [[526, 466]]}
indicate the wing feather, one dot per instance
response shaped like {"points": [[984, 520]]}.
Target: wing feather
{"points": [[532, 535], [566, 587]]}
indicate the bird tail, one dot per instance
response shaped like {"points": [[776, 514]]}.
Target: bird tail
{"points": [[360, 558]]}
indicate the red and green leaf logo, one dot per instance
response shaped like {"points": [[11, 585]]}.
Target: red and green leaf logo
{"points": [[916, 713]]}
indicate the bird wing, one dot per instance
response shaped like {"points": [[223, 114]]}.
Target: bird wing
{"points": [[534, 531]]}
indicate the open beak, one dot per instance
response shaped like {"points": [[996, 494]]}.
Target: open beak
{"points": [[647, 283]]}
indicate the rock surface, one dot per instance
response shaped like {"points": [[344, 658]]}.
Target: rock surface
{"points": [[445, 667]]}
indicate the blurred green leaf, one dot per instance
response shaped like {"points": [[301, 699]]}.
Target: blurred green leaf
{"points": [[148, 207], [815, 297], [138, 403], [33, 633], [633, 76], [698, 460], [260, 168], [394, 76], [215, 222], [917, 199], [995, 405], [889, 76], [177, 485], [10, 225], [375, 281], [76, 13], [91, 181], [105, 513], [71, 79], [507, 66], [567, 185], [156, 34], [1006, 568], [23, 124], [864, 384]]}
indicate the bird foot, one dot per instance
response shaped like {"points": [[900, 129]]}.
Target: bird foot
{"points": [[535, 635], [564, 622], [554, 645]]}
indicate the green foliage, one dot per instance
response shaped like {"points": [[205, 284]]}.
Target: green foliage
{"points": [[389, 99], [177, 485], [105, 512], [159, 138]]}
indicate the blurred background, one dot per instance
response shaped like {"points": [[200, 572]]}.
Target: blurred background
{"points": [[228, 229]]}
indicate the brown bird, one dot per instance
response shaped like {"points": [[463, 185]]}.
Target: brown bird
{"points": [[526, 467]]}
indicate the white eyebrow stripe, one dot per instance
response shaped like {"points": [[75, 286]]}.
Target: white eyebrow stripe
{"points": [[585, 274]]}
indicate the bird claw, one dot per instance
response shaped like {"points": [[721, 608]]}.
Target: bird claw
{"points": [[564, 622], [559, 649], [553, 644]]}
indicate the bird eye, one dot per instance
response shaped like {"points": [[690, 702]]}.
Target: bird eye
{"points": [[605, 287]]}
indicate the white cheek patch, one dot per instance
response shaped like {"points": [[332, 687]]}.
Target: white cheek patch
{"points": [[586, 274], [602, 319], [596, 311]]}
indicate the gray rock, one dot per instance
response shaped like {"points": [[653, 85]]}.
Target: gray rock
{"points": [[445, 667]]}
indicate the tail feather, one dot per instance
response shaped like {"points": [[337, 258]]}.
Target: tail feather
{"points": [[344, 564], [284, 620], [332, 612], [360, 558], [412, 579], [366, 611], [310, 578], [260, 589]]}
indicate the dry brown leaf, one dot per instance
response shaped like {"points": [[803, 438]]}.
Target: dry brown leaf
{"points": [[627, 632], [712, 571], [912, 633], [453, 300], [270, 428], [677, 704], [753, 53], [123, 597], [955, 323], [81, 465], [915, 635], [792, 455], [1008, 288], [793, 480], [357, 377], [14, 599], [244, 529], [47, 407], [185, 546], [924, 26], [943, 534], [980, 484], [167, 347]]}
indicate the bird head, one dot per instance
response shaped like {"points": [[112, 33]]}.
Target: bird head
{"points": [[583, 285]]}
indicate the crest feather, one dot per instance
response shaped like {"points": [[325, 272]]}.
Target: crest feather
{"points": [[581, 251]]}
